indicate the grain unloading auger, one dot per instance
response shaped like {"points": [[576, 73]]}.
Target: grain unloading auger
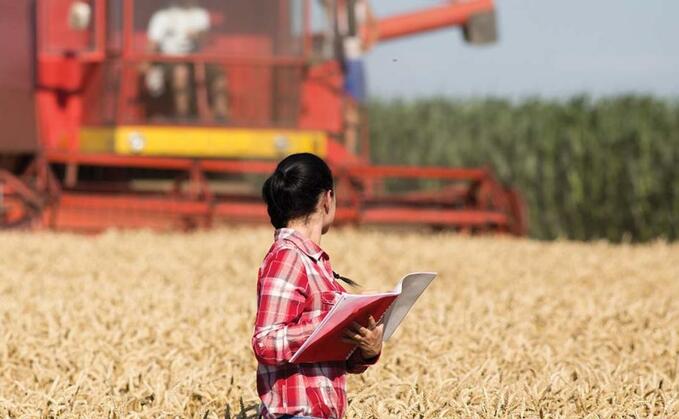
{"points": [[88, 144]]}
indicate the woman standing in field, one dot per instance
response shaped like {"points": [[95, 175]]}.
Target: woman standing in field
{"points": [[296, 287]]}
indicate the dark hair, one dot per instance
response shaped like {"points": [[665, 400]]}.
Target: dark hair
{"points": [[294, 188]]}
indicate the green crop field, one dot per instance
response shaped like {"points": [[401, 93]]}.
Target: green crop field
{"points": [[588, 169]]}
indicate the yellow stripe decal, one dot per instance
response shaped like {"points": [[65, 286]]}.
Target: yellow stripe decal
{"points": [[202, 142], [97, 140]]}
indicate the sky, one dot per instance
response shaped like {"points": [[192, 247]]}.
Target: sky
{"points": [[547, 48]]}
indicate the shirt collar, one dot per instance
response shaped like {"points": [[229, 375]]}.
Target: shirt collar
{"points": [[307, 246]]}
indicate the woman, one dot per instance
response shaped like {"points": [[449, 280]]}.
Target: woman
{"points": [[296, 288]]}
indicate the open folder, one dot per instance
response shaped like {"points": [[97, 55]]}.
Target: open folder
{"points": [[325, 342]]}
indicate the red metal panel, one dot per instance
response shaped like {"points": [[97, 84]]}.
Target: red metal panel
{"points": [[264, 167], [112, 160], [241, 211], [433, 217], [238, 166], [322, 98], [162, 163], [90, 212], [17, 52], [448, 173]]}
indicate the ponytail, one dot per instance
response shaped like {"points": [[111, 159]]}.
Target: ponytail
{"points": [[345, 279]]}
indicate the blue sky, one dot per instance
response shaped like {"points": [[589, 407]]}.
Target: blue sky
{"points": [[547, 48]]}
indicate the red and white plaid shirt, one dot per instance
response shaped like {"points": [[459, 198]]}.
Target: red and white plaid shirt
{"points": [[295, 289]]}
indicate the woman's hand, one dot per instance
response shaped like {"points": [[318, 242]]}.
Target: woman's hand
{"points": [[368, 339]]}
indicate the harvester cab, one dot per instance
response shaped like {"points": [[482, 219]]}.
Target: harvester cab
{"points": [[152, 113], [194, 79]]}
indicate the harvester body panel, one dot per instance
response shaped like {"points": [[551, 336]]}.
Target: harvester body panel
{"points": [[17, 78]]}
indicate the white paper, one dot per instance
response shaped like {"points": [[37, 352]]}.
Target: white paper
{"points": [[410, 288]]}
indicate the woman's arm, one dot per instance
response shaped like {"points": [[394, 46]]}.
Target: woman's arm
{"points": [[283, 290]]}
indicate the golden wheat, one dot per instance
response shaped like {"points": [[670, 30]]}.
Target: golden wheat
{"points": [[139, 324]]}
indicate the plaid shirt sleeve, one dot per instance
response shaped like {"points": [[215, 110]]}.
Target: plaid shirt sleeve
{"points": [[282, 294], [356, 364]]}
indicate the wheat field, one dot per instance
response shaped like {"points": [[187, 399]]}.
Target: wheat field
{"points": [[142, 324]]}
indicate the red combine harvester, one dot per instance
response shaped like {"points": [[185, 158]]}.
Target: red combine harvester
{"points": [[86, 144]]}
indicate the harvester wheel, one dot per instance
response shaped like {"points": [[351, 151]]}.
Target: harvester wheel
{"points": [[20, 205], [15, 214]]}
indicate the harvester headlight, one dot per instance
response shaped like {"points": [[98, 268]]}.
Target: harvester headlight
{"points": [[137, 142], [282, 143]]}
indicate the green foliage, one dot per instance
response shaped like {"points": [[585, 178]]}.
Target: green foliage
{"points": [[587, 169]]}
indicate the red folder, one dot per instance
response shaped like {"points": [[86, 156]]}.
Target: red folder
{"points": [[325, 343]]}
